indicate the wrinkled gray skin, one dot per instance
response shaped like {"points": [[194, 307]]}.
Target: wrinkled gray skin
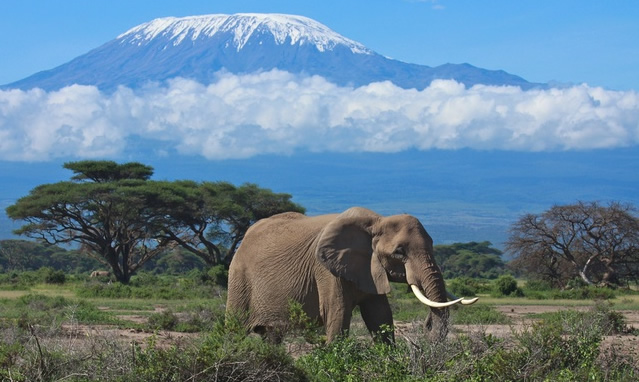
{"points": [[331, 264]]}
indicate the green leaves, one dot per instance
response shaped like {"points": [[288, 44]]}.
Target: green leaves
{"points": [[469, 260], [108, 171], [210, 218]]}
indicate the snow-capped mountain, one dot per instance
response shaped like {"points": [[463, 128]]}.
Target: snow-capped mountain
{"points": [[197, 47], [294, 30]]}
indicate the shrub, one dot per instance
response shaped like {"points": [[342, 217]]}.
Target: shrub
{"points": [[463, 286], [219, 274], [589, 292], [506, 285], [201, 316], [601, 318], [54, 277], [227, 353], [353, 359], [564, 348], [299, 322], [165, 320]]}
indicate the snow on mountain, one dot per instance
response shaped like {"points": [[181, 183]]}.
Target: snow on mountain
{"points": [[284, 28], [198, 47]]}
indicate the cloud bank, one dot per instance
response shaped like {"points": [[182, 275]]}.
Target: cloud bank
{"points": [[239, 116]]}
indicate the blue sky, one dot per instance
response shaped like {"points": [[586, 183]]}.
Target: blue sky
{"points": [[567, 41]]}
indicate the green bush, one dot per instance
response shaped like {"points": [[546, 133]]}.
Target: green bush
{"points": [[601, 317], [463, 286], [227, 353], [27, 279], [10, 355], [219, 274], [589, 292], [55, 277], [201, 317], [353, 359], [506, 285], [165, 320], [565, 348]]}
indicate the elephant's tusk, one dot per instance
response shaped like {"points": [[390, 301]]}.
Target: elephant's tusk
{"points": [[469, 302], [430, 303], [463, 299]]}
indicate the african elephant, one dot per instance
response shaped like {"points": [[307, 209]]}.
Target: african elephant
{"points": [[100, 274], [330, 264]]}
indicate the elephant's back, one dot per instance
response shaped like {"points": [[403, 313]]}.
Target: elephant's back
{"points": [[275, 264], [282, 232]]}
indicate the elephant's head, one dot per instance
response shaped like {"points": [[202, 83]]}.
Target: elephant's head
{"points": [[370, 250]]}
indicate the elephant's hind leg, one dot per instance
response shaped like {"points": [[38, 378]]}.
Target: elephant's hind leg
{"points": [[238, 300]]}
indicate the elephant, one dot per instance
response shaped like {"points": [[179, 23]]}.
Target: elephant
{"points": [[100, 274], [330, 264]]}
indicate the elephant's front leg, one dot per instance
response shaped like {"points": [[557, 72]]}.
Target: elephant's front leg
{"points": [[336, 308], [378, 317], [337, 320]]}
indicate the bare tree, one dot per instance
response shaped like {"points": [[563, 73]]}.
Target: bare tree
{"points": [[599, 244]]}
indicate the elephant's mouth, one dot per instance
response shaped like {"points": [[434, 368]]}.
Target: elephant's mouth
{"points": [[395, 269], [396, 275]]}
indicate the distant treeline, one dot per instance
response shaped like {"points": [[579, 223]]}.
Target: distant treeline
{"points": [[478, 260]]}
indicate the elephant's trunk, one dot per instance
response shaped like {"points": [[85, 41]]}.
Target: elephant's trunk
{"points": [[436, 326], [435, 296]]}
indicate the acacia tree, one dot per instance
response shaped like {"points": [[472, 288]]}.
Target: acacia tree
{"points": [[600, 244], [469, 259], [106, 208], [210, 218]]}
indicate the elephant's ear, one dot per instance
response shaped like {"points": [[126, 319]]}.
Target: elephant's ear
{"points": [[345, 248]]}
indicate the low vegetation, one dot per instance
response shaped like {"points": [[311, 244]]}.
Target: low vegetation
{"points": [[42, 337]]}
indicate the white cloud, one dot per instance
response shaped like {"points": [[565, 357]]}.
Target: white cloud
{"points": [[240, 116]]}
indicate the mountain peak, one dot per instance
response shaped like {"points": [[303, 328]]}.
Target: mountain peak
{"points": [[290, 29], [199, 47]]}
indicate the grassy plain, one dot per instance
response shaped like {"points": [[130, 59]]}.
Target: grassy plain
{"points": [[168, 332]]}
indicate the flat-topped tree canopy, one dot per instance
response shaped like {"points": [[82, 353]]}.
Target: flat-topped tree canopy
{"points": [[107, 171]]}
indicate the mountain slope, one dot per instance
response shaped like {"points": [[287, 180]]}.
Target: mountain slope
{"points": [[198, 47]]}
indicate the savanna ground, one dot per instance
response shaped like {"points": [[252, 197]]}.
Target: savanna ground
{"points": [[89, 330]]}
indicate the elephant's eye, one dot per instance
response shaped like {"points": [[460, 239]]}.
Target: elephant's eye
{"points": [[399, 253]]}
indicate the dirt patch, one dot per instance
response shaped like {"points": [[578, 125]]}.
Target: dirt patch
{"points": [[127, 335], [522, 317], [162, 338]]}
